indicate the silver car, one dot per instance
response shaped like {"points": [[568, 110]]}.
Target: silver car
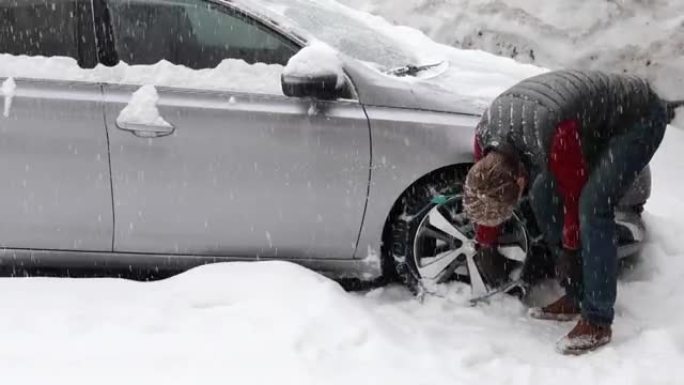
{"points": [[354, 181]]}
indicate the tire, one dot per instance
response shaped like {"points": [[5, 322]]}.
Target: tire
{"points": [[407, 215]]}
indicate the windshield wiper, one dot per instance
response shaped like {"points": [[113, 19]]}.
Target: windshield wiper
{"points": [[412, 70]]}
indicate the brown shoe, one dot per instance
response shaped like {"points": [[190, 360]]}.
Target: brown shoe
{"points": [[564, 309], [584, 338]]}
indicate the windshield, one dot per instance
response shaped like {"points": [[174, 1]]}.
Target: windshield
{"points": [[348, 31]]}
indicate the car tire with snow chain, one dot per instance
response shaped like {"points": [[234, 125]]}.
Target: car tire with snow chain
{"points": [[409, 213]]}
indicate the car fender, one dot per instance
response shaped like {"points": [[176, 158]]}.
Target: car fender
{"points": [[407, 145]]}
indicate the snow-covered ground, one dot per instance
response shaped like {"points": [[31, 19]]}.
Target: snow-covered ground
{"points": [[265, 323]]}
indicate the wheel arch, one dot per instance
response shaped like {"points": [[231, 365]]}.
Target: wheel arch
{"points": [[408, 145]]}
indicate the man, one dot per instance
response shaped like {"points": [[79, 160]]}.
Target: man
{"points": [[576, 141]]}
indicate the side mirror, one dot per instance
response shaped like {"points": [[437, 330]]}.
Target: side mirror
{"points": [[316, 72], [316, 86]]}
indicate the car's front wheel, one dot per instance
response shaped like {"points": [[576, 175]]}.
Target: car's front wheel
{"points": [[432, 240]]}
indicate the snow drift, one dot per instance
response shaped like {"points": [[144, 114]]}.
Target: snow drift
{"points": [[639, 36]]}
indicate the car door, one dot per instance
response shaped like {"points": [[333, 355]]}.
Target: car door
{"points": [[232, 167], [54, 165]]}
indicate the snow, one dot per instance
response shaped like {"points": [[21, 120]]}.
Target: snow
{"points": [[275, 322], [373, 260], [229, 75], [477, 75], [640, 36], [8, 88], [314, 60], [142, 109]]}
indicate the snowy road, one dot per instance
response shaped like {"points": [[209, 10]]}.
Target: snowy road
{"points": [[266, 323]]}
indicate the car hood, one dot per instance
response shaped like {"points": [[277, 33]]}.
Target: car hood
{"points": [[381, 90]]}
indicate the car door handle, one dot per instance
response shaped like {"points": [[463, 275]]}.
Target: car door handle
{"points": [[146, 130]]}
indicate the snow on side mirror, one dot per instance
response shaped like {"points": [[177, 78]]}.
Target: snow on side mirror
{"points": [[315, 71]]}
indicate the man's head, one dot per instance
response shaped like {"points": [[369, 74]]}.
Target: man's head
{"points": [[492, 189]]}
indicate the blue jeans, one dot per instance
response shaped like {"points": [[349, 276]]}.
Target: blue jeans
{"points": [[610, 177]]}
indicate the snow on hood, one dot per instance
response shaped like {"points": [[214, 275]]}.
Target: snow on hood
{"points": [[373, 40]]}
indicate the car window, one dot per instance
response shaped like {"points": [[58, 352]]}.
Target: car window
{"points": [[193, 33], [342, 29], [39, 27]]}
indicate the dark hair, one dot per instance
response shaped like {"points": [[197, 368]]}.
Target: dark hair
{"points": [[492, 189]]}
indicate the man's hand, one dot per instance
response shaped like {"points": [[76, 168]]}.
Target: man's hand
{"points": [[494, 267]]}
